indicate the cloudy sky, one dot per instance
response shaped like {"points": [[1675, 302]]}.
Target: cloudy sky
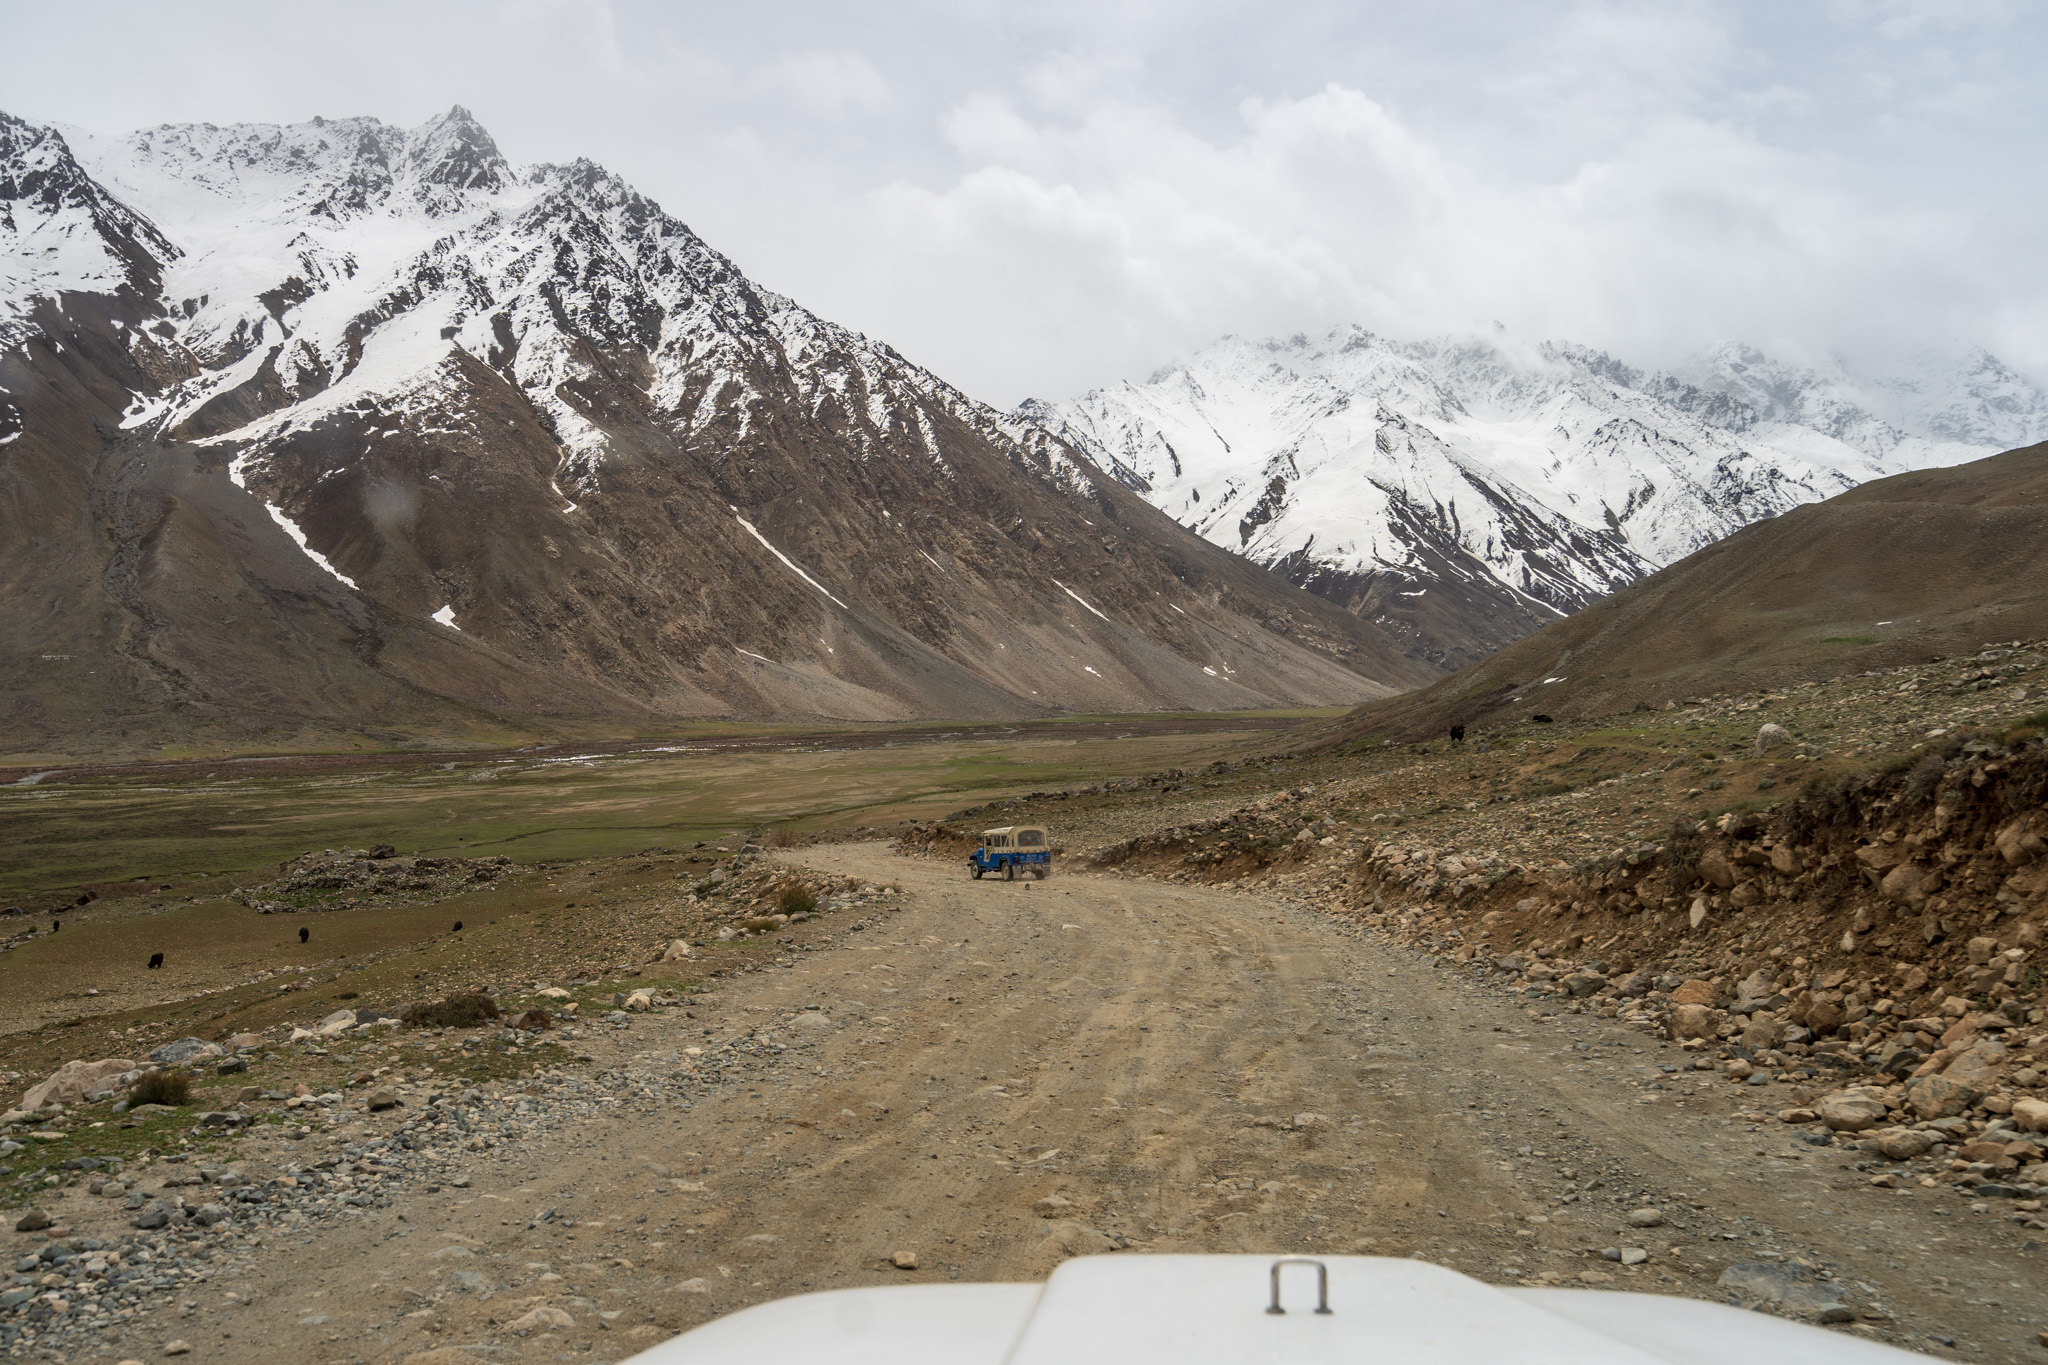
{"points": [[1034, 199]]}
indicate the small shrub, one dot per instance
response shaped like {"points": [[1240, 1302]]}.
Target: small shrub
{"points": [[1923, 779], [782, 836], [1682, 849], [795, 899], [162, 1087], [457, 1011]]}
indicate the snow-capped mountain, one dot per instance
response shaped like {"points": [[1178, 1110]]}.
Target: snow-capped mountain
{"points": [[1521, 482], [60, 231], [460, 436]]}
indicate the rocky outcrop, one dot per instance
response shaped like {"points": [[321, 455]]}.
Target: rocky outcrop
{"points": [[74, 1081]]}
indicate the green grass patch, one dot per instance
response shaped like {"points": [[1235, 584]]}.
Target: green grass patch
{"points": [[57, 836]]}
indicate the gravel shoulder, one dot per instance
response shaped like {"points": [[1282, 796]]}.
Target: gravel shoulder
{"points": [[992, 1077]]}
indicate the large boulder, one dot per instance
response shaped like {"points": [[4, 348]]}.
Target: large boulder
{"points": [[1772, 736], [1938, 1097], [1635, 985], [2031, 1115], [1905, 884], [1694, 1021], [1788, 1288], [1579, 985], [2019, 845], [73, 1081], [1903, 1144], [1851, 1111], [1715, 868], [182, 1050], [1823, 1017], [1978, 1066], [1763, 1032], [1695, 993], [1883, 857]]}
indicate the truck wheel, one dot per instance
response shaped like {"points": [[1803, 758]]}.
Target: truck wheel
{"points": [[1039, 873], [1009, 872], [974, 872]]}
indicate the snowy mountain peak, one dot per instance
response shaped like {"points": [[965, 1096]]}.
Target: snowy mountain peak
{"points": [[454, 150], [61, 231], [1554, 473]]}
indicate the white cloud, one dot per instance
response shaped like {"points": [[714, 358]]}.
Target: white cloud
{"points": [[1097, 247], [1035, 199], [830, 82]]}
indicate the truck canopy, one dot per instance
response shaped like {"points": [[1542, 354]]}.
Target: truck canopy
{"points": [[1014, 836]]}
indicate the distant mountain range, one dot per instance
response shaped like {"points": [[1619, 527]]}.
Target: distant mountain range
{"points": [[312, 429], [342, 429], [1468, 492]]}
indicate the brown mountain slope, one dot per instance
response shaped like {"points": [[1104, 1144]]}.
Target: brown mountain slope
{"points": [[146, 598], [1919, 565], [565, 466]]}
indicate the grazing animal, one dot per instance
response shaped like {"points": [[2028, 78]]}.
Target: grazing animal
{"points": [[55, 925], [458, 926], [156, 960], [1457, 734], [1541, 719], [305, 934]]}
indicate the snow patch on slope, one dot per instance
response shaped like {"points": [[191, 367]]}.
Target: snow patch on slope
{"points": [[291, 528], [788, 563]]}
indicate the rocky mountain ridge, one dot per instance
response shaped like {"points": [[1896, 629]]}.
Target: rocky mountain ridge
{"points": [[308, 422], [1470, 491]]}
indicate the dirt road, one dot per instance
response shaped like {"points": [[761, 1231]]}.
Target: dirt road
{"points": [[997, 1076]]}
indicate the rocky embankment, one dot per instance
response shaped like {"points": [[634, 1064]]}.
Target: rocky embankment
{"points": [[1873, 946]]}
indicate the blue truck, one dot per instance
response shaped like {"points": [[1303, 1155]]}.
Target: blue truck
{"points": [[1011, 850]]}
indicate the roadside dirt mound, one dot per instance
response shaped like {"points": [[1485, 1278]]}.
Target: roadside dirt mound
{"points": [[350, 878], [1928, 564], [935, 841], [751, 895]]}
